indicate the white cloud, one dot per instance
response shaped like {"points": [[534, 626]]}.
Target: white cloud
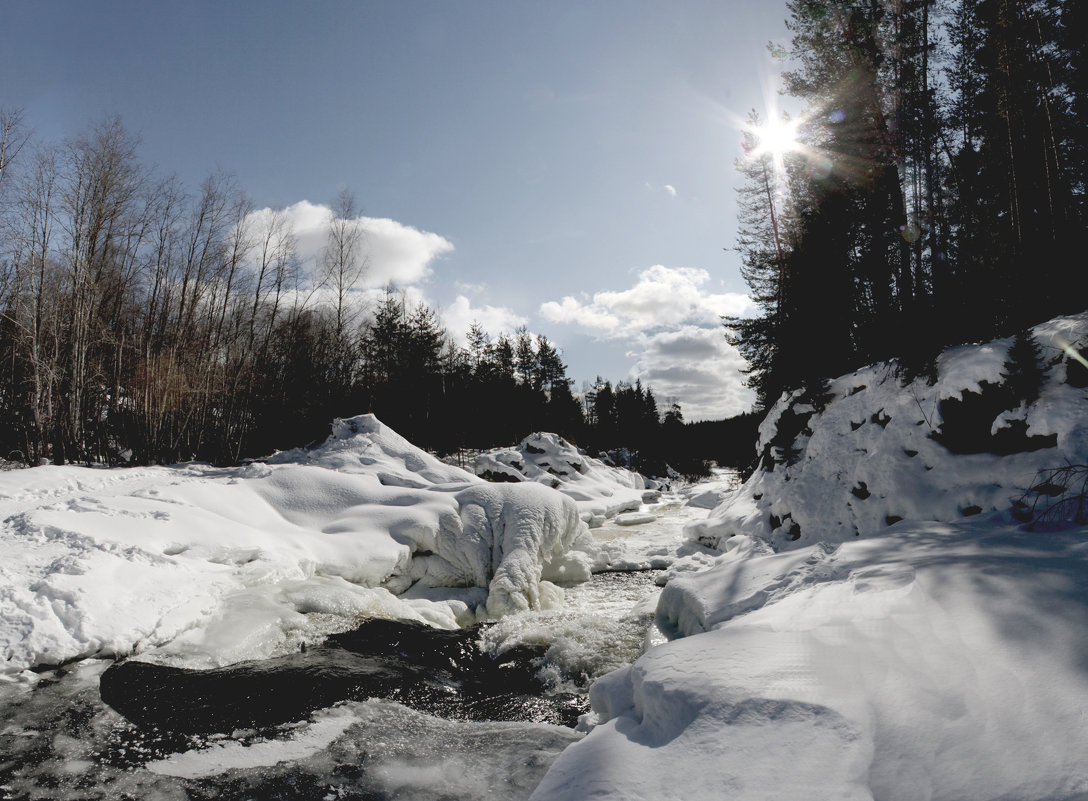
{"points": [[673, 326], [573, 311], [400, 253], [670, 189], [495, 320], [698, 367], [663, 297], [395, 253]]}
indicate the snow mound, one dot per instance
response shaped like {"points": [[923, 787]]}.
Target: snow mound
{"points": [[362, 444], [935, 660], [875, 624], [872, 451], [597, 488], [205, 566]]}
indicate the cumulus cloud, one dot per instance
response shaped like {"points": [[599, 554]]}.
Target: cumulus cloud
{"points": [[698, 367], [394, 252], [662, 298], [461, 314], [673, 326]]}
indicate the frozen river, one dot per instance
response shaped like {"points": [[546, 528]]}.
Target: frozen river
{"points": [[60, 741]]}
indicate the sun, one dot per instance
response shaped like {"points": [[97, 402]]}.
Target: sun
{"points": [[776, 138]]}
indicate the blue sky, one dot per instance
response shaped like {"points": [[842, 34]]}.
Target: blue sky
{"points": [[566, 165]]}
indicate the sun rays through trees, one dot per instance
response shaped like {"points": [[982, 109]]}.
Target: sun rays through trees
{"points": [[934, 193]]}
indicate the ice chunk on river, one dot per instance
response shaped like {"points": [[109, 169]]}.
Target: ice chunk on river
{"points": [[106, 562]]}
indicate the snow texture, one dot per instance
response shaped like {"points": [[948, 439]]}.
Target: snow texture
{"points": [[600, 490], [205, 566], [879, 452], [941, 656]]}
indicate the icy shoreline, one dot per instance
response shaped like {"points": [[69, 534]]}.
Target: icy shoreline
{"points": [[205, 566]]}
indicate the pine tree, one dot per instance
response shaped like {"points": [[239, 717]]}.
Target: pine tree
{"points": [[766, 229]]}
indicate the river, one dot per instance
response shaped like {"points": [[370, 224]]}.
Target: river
{"points": [[60, 741]]}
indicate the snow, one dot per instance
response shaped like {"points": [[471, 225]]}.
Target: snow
{"points": [[205, 566], [871, 458], [940, 656], [709, 493], [600, 490], [863, 618]]}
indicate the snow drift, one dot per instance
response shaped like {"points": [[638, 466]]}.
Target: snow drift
{"points": [[600, 490], [832, 650], [208, 566]]}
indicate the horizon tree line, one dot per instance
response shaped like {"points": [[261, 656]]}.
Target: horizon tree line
{"points": [[144, 323]]}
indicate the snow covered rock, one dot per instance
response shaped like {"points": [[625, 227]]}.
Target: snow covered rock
{"points": [[872, 452], [598, 489]]}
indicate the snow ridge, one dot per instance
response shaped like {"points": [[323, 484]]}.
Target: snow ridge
{"points": [[203, 566]]}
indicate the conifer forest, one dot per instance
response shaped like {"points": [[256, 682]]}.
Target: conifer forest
{"points": [[935, 194]]}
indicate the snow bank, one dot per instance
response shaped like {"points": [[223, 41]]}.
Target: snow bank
{"points": [[206, 566], [943, 661], [874, 452], [599, 489], [875, 625]]}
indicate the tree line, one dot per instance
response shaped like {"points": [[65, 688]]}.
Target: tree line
{"points": [[938, 196], [141, 322]]}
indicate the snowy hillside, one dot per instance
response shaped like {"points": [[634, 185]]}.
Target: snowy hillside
{"points": [[872, 451], [600, 490], [880, 625], [220, 565]]}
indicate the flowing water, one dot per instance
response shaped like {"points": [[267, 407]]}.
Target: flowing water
{"points": [[409, 719]]}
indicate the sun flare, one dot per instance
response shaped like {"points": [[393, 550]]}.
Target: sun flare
{"points": [[776, 137]]}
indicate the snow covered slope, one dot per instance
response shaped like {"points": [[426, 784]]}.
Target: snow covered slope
{"points": [[873, 451], [940, 657], [599, 489], [207, 566]]}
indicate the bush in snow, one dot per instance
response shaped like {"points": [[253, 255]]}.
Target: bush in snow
{"points": [[1058, 496]]}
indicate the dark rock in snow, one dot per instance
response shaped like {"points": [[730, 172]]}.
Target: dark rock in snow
{"points": [[861, 491]]}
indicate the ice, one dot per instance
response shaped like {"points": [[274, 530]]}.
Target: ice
{"points": [[301, 742], [514, 534], [603, 624], [206, 565], [61, 743]]}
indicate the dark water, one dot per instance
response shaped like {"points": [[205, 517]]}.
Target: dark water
{"points": [[388, 711], [443, 673]]}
